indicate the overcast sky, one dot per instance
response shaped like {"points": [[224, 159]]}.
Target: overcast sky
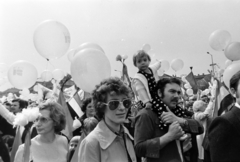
{"points": [[173, 28]]}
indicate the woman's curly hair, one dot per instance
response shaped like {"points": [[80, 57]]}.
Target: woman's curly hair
{"points": [[110, 86]]}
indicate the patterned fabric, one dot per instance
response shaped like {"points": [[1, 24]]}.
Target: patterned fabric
{"points": [[158, 106]]}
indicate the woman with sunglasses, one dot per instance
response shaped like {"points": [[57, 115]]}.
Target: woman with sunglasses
{"points": [[110, 141], [48, 145]]}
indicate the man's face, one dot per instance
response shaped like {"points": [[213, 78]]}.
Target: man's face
{"points": [[172, 92], [15, 107]]}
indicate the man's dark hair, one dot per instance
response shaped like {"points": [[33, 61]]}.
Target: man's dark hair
{"points": [[161, 84], [22, 103], [235, 80]]}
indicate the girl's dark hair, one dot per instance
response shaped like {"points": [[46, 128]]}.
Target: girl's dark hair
{"points": [[86, 101], [140, 54]]}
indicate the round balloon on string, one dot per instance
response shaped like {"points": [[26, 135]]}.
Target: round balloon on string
{"points": [[146, 47], [22, 74], [177, 64], [89, 68], [189, 92], [46, 75], [88, 45], [230, 71], [219, 39], [232, 51], [58, 74], [51, 39]]}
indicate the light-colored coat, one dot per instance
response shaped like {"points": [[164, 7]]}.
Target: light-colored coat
{"points": [[102, 145]]}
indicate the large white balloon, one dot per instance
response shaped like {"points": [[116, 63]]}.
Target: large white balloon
{"points": [[219, 39], [164, 65], [177, 64], [46, 75], [51, 39], [58, 74], [22, 74], [230, 71], [89, 68], [88, 45], [232, 51]]}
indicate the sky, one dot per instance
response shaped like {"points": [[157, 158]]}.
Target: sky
{"points": [[173, 29]]}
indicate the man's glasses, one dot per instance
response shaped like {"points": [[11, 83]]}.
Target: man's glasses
{"points": [[42, 119], [114, 104]]}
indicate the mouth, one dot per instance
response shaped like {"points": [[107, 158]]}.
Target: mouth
{"points": [[121, 115]]}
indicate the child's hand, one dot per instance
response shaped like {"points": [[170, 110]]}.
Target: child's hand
{"points": [[148, 105]]}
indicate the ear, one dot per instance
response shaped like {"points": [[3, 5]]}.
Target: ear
{"points": [[159, 93], [233, 92]]}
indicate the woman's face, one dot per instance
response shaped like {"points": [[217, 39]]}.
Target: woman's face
{"points": [[118, 115], [90, 111], [44, 124]]}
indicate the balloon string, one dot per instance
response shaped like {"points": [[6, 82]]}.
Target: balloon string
{"points": [[52, 65]]}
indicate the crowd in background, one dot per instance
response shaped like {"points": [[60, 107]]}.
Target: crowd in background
{"points": [[151, 120]]}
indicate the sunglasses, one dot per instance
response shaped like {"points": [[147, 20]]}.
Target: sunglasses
{"points": [[114, 104], [42, 119]]}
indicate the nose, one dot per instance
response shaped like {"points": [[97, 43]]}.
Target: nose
{"points": [[121, 106]]}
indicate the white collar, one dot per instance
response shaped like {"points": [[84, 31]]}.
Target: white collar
{"points": [[106, 136]]}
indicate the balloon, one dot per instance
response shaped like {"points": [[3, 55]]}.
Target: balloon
{"points": [[230, 71], [58, 74], [88, 45], [164, 65], [220, 72], [160, 72], [219, 39], [227, 63], [187, 86], [22, 74], [51, 39], [71, 54], [189, 92], [146, 47], [89, 67], [232, 51], [124, 57], [183, 78], [177, 64], [46, 75]]}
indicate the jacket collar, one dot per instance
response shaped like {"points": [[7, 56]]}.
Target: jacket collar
{"points": [[106, 136]]}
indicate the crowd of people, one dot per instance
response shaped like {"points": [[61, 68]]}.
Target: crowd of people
{"points": [[150, 120]]}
